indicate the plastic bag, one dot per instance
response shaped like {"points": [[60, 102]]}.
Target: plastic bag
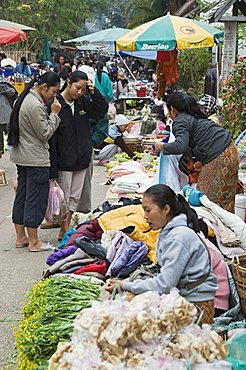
{"points": [[111, 111], [57, 208], [237, 351]]}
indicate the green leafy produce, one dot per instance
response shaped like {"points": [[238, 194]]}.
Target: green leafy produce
{"points": [[48, 318]]}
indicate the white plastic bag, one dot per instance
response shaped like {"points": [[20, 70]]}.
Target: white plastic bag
{"points": [[111, 111]]}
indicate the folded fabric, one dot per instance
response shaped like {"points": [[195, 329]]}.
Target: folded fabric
{"points": [[130, 258], [66, 238], [71, 269], [227, 236], [229, 219], [78, 254], [78, 263], [92, 230], [120, 241], [93, 274], [60, 254], [93, 267], [192, 195], [91, 248]]}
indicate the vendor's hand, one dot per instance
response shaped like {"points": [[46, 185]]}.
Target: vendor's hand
{"points": [[90, 86], [111, 284], [55, 106], [158, 147]]}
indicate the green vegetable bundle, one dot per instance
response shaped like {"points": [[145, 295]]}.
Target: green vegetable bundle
{"points": [[48, 318]]}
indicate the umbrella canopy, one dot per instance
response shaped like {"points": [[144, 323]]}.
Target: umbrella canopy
{"points": [[46, 55], [8, 24], [11, 35], [89, 47], [108, 35], [170, 32]]}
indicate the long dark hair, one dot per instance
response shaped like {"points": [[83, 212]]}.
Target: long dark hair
{"points": [[185, 104], [162, 195], [24, 63], [100, 66], [75, 76], [51, 79]]}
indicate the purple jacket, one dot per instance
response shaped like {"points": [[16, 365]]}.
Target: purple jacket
{"points": [[128, 260], [61, 254]]}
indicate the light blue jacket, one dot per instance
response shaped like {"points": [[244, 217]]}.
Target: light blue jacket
{"points": [[183, 259]]}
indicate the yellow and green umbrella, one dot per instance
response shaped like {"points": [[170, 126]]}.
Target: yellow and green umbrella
{"points": [[168, 33]]}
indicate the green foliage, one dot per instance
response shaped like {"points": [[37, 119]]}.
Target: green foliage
{"points": [[142, 11], [234, 98], [192, 68], [48, 318], [56, 20]]}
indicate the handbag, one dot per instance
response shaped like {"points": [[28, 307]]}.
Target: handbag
{"points": [[187, 161]]}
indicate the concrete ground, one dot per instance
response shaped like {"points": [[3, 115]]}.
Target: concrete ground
{"points": [[20, 269]]}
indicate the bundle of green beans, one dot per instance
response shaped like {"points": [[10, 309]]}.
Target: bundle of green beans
{"points": [[48, 318]]}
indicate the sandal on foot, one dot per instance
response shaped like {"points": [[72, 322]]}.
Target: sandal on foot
{"points": [[45, 248], [21, 245]]}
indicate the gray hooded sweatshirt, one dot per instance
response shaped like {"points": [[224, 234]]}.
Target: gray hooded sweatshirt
{"points": [[183, 259]]}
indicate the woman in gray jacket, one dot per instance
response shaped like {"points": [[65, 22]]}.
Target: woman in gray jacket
{"points": [[182, 256], [30, 129]]}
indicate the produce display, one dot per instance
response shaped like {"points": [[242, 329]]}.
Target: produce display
{"points": [[48, 319], [147, 160], [149, 332]]}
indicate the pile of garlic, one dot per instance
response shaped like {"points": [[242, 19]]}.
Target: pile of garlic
{"points": [[151, 331]]}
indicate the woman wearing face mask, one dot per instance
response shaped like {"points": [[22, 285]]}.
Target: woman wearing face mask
{"points": [[182, 256], [30, 129], [210, 144], [71, 147]]}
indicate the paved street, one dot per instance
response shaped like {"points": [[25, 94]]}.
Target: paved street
{"points": [[20, 269]]}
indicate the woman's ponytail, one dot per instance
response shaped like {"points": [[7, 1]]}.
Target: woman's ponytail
{"points": [[192, 107], [192, 219], [14, 132], [50, 79]]}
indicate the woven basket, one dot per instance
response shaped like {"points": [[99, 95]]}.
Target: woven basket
{"points": [[239, 274]]}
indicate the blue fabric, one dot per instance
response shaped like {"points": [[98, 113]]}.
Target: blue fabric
{"points": [[114, 131], [131, 257], [27, 70], [192, 195], [60, 254], [66, 238]]}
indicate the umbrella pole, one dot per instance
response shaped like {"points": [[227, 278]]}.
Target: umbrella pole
{"points": [[130, 72], [116, 65], [217, 71]]}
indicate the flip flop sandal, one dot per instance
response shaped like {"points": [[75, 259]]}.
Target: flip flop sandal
{"points": [[45, 248], [21, 245], [49, 226]]}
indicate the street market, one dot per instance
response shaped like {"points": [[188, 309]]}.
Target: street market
{"points": [[123, 193]]}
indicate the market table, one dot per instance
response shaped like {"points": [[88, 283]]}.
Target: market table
{"points": [[122, 99]]}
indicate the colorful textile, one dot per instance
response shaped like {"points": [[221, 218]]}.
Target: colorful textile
{"points": [[92, 230], [241, 147], [208, 313], [94, 267], [218, 179], [60, 254]]}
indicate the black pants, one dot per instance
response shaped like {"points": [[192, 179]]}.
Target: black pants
{"points": [[32, 196]]}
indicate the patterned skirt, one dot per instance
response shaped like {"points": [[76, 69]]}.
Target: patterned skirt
{"points": [[207, 307], [218, 178]]}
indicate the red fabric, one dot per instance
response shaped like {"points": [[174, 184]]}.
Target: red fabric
{"points": [[92, 230], [11, 35], [168, 65], [93, 267]]}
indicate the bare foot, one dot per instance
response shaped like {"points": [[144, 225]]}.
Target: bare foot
{"points": [[20, 243]]}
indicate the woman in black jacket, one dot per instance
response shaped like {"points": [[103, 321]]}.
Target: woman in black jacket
{"points": [[210, 144], [70, 146]]}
